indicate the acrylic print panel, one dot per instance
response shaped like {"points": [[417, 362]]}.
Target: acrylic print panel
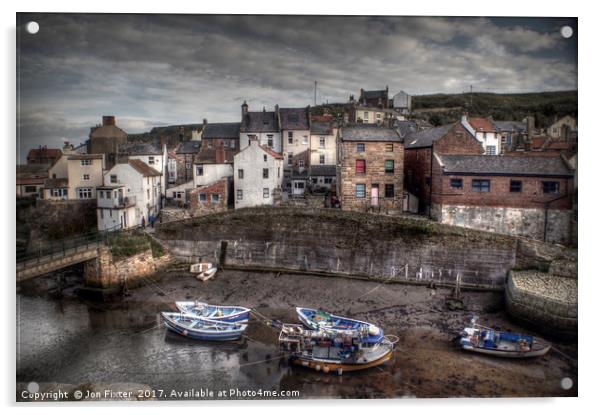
{"points": [[258, 207]]}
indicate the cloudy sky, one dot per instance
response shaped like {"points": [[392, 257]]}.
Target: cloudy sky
{"points": [[151, 70]]}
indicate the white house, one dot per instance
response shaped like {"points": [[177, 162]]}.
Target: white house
{"points": [[258, 175], [153, 154], [484, 130], [402, 102], [263, 126], [131, 191], [212, 164]]}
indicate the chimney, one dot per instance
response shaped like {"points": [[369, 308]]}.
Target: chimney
{"points": [[108, 120], [530, 127], [220, 154], [163, 140], [204, 122], [245, 108], [276, 108]]}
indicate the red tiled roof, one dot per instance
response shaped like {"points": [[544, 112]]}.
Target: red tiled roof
{"points": [[143, 168], [272, 153], [36, 153], [482, 125], [31, 180]]}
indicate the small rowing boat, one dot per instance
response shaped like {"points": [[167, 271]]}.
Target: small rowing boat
{"points": [[481, 339], [318, 320], [207, 275], [202, 329], [231, 314], [200, 267]]}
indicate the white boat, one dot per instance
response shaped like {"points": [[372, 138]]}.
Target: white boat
{"points": [[202, 329], [232, 314], [481, 339], [207, 275], [200, 267]]}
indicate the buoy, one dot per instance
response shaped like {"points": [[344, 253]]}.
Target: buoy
{"points": [[185, 332], [326, 369], [318, 368], [340, 371], [305, 363]]}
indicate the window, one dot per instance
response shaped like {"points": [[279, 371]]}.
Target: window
{"points": [[301, 163], [389, 148], [265, 157], [490, 150], [278, 170], [270, 141], [360, 190], [30, 189], [151, 160], [148, 193], [322, 142], [516, 186], [241, 174], [86, 162], [456, 183], [483, 186], [360, 166], [58, 192], [209, 143], [361, 147], [305, 139], [551, 187], [214, 198], [179, 195], [389, 190], [199, 170], [232, 144], [290, 159], [328, 180], [290, 137], [202, 197], [266, 173], [187, 165], [389, 166], [365, 116], [322, 159], [239, 194], [378, 115], [84, 193], [102, 215], [266, 193], [86, 177]]}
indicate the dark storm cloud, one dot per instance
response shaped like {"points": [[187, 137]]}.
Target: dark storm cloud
{"points": [[152, 69]]}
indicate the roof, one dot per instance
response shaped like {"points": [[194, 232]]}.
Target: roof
{"points": [[260, 122], [143, 168], [108, 131], [139, 149], [189, 147], [30, 180], [484, 125], [369, 132], [323, 170], [382, 93], [321, 128], [222, 130], [56, 183], [84, 156], [502, 165], [37, 153], [294, 118], [271, 152], [111, 186], [406, 127], [426, 138], [510, 126], [32, 171], [209, 156]]}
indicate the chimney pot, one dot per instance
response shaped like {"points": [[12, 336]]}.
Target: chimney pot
{"points": [[108, 120]]}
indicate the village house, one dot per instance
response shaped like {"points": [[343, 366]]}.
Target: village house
{"points": [[484, 130], [187, 151], [30, 179], [106, 139], [511, 133], [420, 147], [370, 168], [377, 99], [223, 134], [323, 154], [263, 126], [172, 168], [258, 176], [74, 176], [402, 103], [522, 195], [213, 164], [214, 197], [43, 155], [131, 191], [562, 127], [153, 153], [295, 124]]}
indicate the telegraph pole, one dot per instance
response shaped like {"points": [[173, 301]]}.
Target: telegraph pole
{"points": [[315, 91], [471, 97]]}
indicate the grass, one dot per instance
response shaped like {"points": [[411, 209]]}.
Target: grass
{"points": [[124, 245]]}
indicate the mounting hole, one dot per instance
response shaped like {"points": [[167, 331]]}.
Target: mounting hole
{"points": [[33, 387], [32, 28], [566, 383], [566, 31]]}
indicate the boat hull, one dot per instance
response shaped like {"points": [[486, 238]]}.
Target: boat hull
{"points": [[200, 334], [327, 365], [348, 324], [507, 353], [240, 316]]}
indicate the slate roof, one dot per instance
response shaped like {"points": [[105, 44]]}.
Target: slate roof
{"points": [[208, 156], [222, 130], [369, 132], [56, 183], [506, 166], [32, 171], [84, 156], [143, 168], [260, 122], [107, 131], [510, 126], [323, 170], [189, 147], [426, 138], [294, 118], [374, 94], [140, 149], [321, 128], [406, 127]]}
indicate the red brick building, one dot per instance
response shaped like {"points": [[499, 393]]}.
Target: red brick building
{"points": [[214, 197], [222, 134], [43, 155], [523, 196], [370, 168], [420, 147]]}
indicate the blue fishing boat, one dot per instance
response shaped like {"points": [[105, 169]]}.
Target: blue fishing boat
{"points": [[481, 339], [231, 314], [318, 319], [202, 329]]}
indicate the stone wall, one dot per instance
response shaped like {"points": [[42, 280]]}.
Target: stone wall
{"points": [[509, 221], [328, 240], [104, 272]]}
